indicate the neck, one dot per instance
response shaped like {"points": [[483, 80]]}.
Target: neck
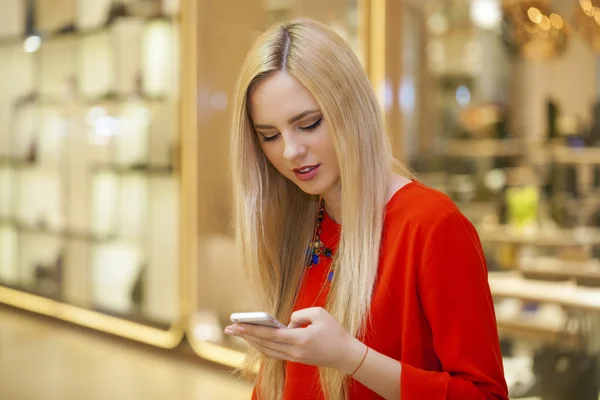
{"points": [[333, 203]]}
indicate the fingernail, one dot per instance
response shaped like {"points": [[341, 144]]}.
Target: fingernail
{"points": [[228, 331]]}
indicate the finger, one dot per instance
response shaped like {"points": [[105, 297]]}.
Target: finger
{"points": [[229, 330], [268, 351], [306, 316], [270, 334], [284, 348]]}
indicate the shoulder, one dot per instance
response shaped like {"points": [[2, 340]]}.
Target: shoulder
{"points": [[420, 207], [427, 224], [426, 220]]}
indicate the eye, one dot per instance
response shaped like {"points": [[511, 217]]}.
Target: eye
{"points": [[270, 138], [312, 127]]}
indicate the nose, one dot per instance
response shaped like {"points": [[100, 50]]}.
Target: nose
{"points": [[293, 149]]}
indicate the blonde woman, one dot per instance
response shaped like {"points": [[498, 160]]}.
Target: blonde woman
{"points": [[382, 281]]}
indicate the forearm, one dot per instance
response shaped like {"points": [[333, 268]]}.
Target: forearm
{"points": [[378, 372]]}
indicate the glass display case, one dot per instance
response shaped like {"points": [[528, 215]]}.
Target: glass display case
{"points": [[89, 164]]}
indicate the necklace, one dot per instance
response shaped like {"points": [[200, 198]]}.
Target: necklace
{"points": [[317, 248]]}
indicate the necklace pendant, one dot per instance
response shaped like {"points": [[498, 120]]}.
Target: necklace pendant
{"points": [[317, 249], [315, 259]]}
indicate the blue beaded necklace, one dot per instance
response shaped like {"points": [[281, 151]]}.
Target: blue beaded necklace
{"points": [[317, 248]]}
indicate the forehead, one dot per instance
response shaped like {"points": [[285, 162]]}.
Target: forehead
{"points": [[279, 97]]}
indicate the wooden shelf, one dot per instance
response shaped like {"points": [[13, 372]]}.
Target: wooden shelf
{"points": [[530, 329], [483, 148], [553, 268], [574, 156], [566, 294], [542, 237]]}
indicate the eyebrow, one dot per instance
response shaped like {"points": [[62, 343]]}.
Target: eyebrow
{"points": [[291, 120]]}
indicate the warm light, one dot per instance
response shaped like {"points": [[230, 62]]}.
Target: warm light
{"points": [[586, 5], [535, 15], [545, 24], [486, 14], [557, 21], [32, 44], [597, 14]]}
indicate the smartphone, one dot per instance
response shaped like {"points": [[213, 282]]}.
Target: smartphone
{"points": [[256, 318]]}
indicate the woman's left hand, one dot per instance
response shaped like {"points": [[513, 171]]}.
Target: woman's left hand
{"points": [[323, 342]]}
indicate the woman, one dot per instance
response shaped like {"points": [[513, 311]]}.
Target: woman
{"points": [[391, 299]]}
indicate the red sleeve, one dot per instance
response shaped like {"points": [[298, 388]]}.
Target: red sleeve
{"points": [[456, 300]]}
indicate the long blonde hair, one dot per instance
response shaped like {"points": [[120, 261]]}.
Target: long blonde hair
{"points": [[271, 213]]}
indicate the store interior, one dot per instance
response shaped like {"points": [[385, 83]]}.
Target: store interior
{"points": [[115, 191]]}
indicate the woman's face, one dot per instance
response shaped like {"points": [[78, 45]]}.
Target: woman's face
{"points": [[293, 134]]}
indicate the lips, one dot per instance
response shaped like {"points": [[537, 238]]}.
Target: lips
{"points": [[307, 172]]}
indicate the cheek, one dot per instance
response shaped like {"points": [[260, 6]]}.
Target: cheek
{"points": [[328, 150], [275, 156]]}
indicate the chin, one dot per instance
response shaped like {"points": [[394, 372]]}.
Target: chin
{"points": [[314, 188]]}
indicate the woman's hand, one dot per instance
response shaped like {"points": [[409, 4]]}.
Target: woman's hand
{"points": [[323, 342]]}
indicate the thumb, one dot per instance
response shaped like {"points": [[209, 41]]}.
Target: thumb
{"points": [[302, 318]]}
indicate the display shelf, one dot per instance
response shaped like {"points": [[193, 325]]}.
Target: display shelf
{"points": [[576, 156], [95, 99], [566, 294], [541, 237], [483, 148], [524, 328], [111, 98], [551, 268], [62, 234], [143, 169], [78, 33]]}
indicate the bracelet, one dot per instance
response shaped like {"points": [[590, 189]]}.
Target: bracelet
{"points": [[361, 362]]}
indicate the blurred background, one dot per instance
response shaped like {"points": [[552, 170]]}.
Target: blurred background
{"points": [[116, 252]]}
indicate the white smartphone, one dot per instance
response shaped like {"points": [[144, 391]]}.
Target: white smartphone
{"points": [[256, 318]]}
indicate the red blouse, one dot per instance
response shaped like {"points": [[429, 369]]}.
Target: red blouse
{"points": [[432, 309]]}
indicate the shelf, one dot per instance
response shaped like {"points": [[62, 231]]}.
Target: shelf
{"points": [[65, 234], [532, 329], [138, 169], [542, 238], [554, 269], [57, 35], [576, 156], [14, 162], [483, 148], [111, 98], [566, 294]]}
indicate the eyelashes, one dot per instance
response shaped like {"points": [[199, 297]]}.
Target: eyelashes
{"points": [[270, 138], [309, 128], [312, 127]]}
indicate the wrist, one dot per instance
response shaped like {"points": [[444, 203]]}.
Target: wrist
{"points": [[352, 357]]}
